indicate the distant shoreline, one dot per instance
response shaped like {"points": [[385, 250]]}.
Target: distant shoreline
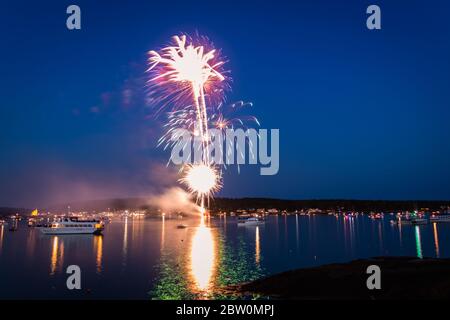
{"points": [[229, 204]]}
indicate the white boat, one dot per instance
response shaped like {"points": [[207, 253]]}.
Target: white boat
{"points": [[72, 225], [419, 221], [407, 221], [252, 221], [440, 218]]}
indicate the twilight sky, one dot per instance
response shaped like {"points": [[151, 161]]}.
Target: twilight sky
{"points": [[362, 114]]}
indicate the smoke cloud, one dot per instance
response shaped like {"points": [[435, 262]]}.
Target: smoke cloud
{"points": [[174, 200]]}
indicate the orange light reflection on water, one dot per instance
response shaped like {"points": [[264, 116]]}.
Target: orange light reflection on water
{"points": [[436, 239], [99, 256], [203, 257], [57, 256], [257, 246]]}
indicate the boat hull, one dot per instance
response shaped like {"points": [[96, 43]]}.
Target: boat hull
{"points": [[250, 223], [440, 219], [409, 222], [75, 230], [254, 223]]}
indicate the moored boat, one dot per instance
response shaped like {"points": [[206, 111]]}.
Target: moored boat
{"points": [[250, 221], [440, 218], [72, 225], [409, 221], [419, 221]]}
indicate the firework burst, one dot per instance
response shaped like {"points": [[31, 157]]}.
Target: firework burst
{"points": [[202, 180], [188, 81], [189, 72]]}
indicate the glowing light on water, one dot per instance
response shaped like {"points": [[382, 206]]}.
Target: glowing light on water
{"points": [[436, 239], [163, 231], [98, 259], [418, 242], [57, 255], [297, 237], [380, 236], [1, 236], [125, 243], [54, 257], [202, 257], [257, 246]]}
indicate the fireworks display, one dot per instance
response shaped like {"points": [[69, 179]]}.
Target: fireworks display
{"points": [[188, 81], [201, 179]]}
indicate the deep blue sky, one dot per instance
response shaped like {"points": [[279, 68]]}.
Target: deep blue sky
{"points": [[362, 114]]}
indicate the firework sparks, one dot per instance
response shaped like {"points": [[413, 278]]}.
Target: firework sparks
{"points": [[201, 179], [188, 80], [184, 73], [223, 117], [191, 68], [231, 116], [185, 62], [186, 70]]}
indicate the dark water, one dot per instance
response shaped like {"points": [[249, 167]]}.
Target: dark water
{"points": [[151, 258]]}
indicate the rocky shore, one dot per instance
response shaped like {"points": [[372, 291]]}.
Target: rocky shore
{"points": [[401, 278]]}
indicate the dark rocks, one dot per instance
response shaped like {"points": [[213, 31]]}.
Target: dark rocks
{"points": [[401, 278]]}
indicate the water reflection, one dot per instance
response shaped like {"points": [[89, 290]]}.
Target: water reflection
{"points": [[57, 257], [54, 256], [418, 242], [202, 256], [1, 236], [296, 231], [352, 234], [197, 261], [31, 243], [380, 237], [173, 280], [436, 239], [208, 263], [98, 243], [238, 260], [347, 234], [125, 243], [400, 234], [163, 231], [257, 246]]}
